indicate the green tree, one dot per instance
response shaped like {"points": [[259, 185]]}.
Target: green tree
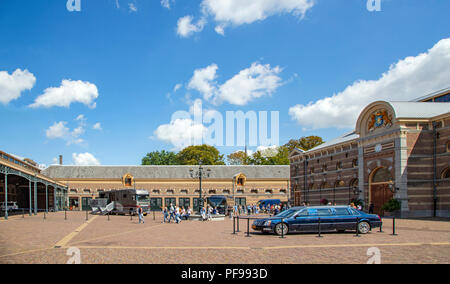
{"points": [[158, 158], [208, 155], [280, 157], [304, 143], [238, 158]]}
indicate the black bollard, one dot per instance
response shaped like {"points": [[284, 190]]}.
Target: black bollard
{"points": [[393, 227], [234, 225], [320, 230], [154, 216], [108, 216], [357, 230], [248, 228], [87, 217], [65, 214], [23, 213], [381, 228], [237, 224]]}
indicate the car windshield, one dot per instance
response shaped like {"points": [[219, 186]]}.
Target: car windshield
{"points": [[142, 198], [287, 214]]}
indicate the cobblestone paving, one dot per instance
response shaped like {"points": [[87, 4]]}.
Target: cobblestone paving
{"points": [[124, 240]]}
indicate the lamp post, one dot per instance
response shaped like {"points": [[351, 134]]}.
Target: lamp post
{"points": [[200, 174]]}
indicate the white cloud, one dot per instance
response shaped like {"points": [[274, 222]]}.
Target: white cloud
{"points": [[58, 130], [69, 92], [180, 132], [85, 159], [251, 83], [183, 131], [177, 87], [132, 7], [165, 4], [240, 12], [186, 28], [254, 82], [409, 78], [12, 86], [97, 126], [203, 81]]}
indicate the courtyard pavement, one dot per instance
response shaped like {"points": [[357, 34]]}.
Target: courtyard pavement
{"points": [[122, 240]]}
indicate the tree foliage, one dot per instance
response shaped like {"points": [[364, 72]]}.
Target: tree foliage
{"points": [[160, 158], [304, 143], [207, 155]]}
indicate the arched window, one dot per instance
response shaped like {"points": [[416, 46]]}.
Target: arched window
{"points": [[87, 191], [339, 166], [269, 191], [382, 175], [355, 163], [170, 191], [283, 191], [184, 191], [212, 191], [446, 173], [226, 191], [254, 191], [156, 191], [324, 168]]}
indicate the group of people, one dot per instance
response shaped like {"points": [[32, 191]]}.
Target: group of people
{"points": [[176, 213], [208, 212], [272, 209]]}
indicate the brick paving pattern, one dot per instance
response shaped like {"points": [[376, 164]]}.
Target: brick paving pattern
{"points": [[122, 240]]}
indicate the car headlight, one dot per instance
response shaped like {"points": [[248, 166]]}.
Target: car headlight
{"points": [[267, 223]]}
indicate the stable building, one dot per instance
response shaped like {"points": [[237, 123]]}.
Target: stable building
{"points": [[398, 150], [179, 185]]}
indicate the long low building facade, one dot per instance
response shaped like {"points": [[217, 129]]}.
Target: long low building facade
{"points": [[243, 185], [398, 150]]}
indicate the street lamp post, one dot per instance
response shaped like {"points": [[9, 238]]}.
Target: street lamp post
{"points": [[200, 174]]}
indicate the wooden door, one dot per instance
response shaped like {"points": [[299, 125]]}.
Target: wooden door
{"points": [[380, 194]]}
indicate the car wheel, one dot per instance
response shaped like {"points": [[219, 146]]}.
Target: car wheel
{"points": [[363, 227], [281, 229]]}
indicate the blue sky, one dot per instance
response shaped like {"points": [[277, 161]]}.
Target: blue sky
{"points": [[121, 60]]}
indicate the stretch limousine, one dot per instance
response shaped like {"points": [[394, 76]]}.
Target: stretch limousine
{"points": [[306, 219]]}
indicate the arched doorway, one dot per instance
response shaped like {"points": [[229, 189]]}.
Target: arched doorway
{"points": [[380, 193]]}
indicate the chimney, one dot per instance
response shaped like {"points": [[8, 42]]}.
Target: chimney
{"points": [[60, 160]]}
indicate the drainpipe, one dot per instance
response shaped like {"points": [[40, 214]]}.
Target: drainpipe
{"points": [[306, 179], [435, 134]]}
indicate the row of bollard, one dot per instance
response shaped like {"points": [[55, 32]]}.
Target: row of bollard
{"points": [[236, 227]]}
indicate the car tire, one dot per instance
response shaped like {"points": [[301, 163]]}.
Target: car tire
{"points": [[364, 227], [281, 226]]}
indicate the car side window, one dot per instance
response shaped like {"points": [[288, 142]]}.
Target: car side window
{"points": [[312, 212], [324, 212], [302, 213], [342, 211], [355, 212]]}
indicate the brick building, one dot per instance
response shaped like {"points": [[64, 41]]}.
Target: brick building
{"points": [[174, 184], [398, 150]]}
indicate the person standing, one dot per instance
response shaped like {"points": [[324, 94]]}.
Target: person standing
{"points": [[141, 215], [165, 214]]}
